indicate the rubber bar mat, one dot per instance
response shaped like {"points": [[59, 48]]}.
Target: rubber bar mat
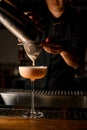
{"points": [[60, 114]]}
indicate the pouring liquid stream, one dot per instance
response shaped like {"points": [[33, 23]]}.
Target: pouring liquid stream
{"points": [[33, 62]]}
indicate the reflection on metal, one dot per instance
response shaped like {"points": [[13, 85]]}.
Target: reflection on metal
{"points": [[44, 98], [62, 105]]}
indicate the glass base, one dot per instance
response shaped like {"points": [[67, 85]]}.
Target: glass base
{"points": [[30, 114]]}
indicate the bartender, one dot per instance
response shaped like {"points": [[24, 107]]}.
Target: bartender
{"points": [[63, 45]]}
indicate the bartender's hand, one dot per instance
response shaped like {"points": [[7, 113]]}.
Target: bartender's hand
{"points": [[68, 53], [36, 19], [53, 45]]}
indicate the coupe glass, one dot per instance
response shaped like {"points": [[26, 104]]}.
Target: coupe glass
{"points": [[32, 73]]}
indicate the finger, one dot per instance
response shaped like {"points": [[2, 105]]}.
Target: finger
{"points": [[19, 42], [51, 45], [52, 51]]}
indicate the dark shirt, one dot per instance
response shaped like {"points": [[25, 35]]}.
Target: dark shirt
{"points": [[66, 29]]}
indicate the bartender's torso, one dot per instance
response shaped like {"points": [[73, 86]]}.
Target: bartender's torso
{"points": [[59, 74]]}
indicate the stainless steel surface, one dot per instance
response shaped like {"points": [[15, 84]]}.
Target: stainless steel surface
{"points": [[61, 105], [51, 99]]}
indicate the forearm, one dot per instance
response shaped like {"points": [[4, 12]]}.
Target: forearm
{"points": [[70, 58]]}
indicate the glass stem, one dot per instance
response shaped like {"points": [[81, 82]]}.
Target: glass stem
{"points": [[32, 94], [32, 97]]}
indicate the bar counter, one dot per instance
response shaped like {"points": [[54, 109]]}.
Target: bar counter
{"points": [[16, 123], [63, 110]]}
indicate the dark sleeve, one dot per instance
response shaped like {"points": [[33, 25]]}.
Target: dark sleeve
{"points": [[78, 34]]}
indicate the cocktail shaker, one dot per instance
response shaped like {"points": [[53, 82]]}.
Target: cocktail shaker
{"points": [[21, 27]]}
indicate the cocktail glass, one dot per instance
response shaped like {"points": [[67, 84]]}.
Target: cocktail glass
{"points": [[32, 73]]}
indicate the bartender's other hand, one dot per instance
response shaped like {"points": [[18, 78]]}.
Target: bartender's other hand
{"points": [[52, 45]]}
